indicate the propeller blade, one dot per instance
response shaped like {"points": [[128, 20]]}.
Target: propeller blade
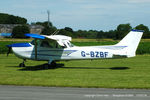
{"points": [[9, 50]]}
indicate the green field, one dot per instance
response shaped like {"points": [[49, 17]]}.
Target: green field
{"points": [[110, 73]]}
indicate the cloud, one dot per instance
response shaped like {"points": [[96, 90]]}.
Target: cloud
{"points": [[81, 14], [79, 1], [138, 1]]}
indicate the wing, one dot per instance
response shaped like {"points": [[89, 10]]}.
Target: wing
{"points": [[58, 38], [36, 36]]}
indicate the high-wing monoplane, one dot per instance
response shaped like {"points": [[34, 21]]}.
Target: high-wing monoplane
{"points": [[58, 47]]}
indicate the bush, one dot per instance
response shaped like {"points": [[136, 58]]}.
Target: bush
{"points": [[3, 48], [19, 31], [143, 48]]}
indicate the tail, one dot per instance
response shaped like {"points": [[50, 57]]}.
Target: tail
{"points": [[131, 41]]}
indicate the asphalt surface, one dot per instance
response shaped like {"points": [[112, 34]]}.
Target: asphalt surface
{"points": [[60, 93]]}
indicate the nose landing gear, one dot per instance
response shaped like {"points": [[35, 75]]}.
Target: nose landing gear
{"points": [[22, 64]]}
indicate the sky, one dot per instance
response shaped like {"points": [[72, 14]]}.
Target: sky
{"points": [[81, 14]]}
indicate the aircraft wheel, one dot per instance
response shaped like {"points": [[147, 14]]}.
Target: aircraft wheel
{"points": [[50, 66], [53, 64], [21, 65]]}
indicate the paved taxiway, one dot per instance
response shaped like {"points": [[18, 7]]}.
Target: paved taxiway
{"points": [[60, 93]]}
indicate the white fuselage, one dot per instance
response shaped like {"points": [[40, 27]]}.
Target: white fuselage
{"points": [[47, 54]]}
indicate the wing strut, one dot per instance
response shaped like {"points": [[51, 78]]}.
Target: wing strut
{"points": [[35, 49]]}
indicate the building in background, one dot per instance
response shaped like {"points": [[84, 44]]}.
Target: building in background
{"points": [[5, 35], [6, 29]]}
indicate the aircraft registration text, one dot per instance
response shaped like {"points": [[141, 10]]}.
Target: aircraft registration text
{"points": [[96, 54]]}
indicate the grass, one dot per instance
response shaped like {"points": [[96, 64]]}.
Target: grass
{"points": [[110, 73], [13, 40]]}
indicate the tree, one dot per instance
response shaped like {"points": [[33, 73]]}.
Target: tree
{"points": [[65, 32], [69, 32], [111, 34], [69, 29], [145, 29], [48, 28], [122, 30], [11, 19], [100, 34], [92, 34], [44, 24], [81, 33], [19, 31]]}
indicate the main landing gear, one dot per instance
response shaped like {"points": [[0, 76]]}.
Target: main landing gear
{"points": [[51, 65], [22, 64]]}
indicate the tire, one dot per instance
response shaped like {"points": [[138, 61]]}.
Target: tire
{"points": [[21, 65], [50, 66], [53, 64]]}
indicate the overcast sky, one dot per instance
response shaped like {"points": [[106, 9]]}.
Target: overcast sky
{"points": [[81, 14]]}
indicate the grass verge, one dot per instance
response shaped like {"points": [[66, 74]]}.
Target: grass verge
{"points": [[110, 73]]}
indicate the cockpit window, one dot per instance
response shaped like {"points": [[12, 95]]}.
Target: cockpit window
{"points": [[70, 44], [33, 42], [45, 44], [50, 44]]}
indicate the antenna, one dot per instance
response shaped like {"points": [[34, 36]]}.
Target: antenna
{"points": [[57, 31], [48, 17]]}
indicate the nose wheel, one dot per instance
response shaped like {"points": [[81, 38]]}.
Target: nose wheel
{"points": [[22, 64]]}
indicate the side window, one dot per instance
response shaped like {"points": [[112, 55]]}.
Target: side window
{"points": [[58, 46], [50, 44], [45, 44]]}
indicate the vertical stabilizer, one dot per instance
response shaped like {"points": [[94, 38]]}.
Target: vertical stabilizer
{"points": [[131, 40]]}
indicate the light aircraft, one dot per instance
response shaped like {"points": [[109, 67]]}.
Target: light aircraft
{"points": [[54, 48]]}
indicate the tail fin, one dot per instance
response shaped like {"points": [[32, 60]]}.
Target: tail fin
{"points": [[131, 40]]}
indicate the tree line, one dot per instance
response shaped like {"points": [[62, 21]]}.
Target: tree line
{"points": [[11, 19], [49, 28], [118, 33]]}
